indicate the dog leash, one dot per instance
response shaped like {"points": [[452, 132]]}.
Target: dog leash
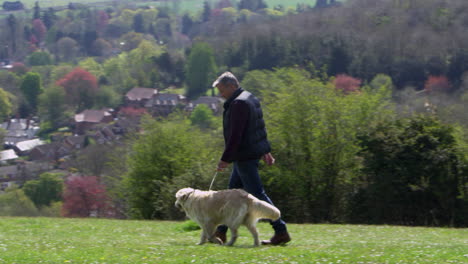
{"points": [[212, 181]]}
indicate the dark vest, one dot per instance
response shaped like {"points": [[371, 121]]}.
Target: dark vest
{"points": [[254, 143]]}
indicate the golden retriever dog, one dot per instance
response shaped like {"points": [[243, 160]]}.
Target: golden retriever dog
{"points": [[229, 207]]}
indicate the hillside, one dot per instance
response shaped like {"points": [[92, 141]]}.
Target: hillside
{"points": [[49, 240]]}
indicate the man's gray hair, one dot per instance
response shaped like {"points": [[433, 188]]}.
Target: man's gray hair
{"points": [[225, 79]]}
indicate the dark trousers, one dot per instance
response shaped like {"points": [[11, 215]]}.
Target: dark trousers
{"points": [[245, 176]]}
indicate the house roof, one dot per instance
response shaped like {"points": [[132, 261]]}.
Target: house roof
{"points": [[92, 116], [132, 111], [165, 99], [207, 100], [139, 93], [211, 101], [44, 149], [8, 155], [75, 140], [29, 144], [50, 151], [168, 96]]}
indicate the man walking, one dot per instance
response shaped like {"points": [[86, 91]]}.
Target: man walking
{"points": [[246, 143]]}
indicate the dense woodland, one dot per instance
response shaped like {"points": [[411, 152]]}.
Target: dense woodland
{"points": [[365, 103]]}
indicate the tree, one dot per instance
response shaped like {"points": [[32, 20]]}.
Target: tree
{"points": [[170, 155], [202, 116], [39, 29], [200, 69], [44, 191], [101, 47], [92, 66], [346, 83], [414, 174], [52, 108], [142, 59], [102, 20], [313, 130], [12, 24], [206, 11], [49, 17], [84, 196], [15, 203], [37, 11], [31, 87], [19, 68], [138, 24], [39, 58], [339, 61], [80, 88], [5, 105], [88, 40], [187, 23], [67, 48], [321, 3]]}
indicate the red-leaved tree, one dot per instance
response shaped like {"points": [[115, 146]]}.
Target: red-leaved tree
{"points": [[437, 84], [84, 196], [102, 20], [346, 83], [80, 88], [39, 29]]}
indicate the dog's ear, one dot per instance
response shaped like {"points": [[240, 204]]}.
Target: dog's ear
{"points": [[183, 194]]}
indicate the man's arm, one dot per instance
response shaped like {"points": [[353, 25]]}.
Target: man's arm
{"points": [[238, 117]]}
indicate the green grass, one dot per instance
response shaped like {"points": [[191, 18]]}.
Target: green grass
{"points": [[49, 240], [197, 5], [50, 3]]}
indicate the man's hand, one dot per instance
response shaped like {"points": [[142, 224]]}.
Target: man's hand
{"points": [[222, 165], [268, 159]]}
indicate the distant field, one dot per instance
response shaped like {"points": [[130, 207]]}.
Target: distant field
{"points": [[186, 5], [49, 240], [49, 3], [192, 5]]}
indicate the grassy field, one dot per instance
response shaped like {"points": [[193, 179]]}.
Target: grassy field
{"points": [[191, 5], [186, 5], [49, 240]]}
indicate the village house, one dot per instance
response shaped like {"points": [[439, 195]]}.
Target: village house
{"points": [[51, 152], [7, 156], [75, 141], [21, 172], [24, 147], [214, 103], [89, 118], [18, 130], [164, 104], [138, 96]]}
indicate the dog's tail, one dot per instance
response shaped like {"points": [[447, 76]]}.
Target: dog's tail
{"points": [[264, 210]]}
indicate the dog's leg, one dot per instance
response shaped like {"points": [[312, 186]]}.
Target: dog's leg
{"points": [[210, 231], [234, 236], [202, 238], [253, 230]]}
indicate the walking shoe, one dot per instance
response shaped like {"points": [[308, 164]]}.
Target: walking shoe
{"points": [[278, 239], [221, 236]]}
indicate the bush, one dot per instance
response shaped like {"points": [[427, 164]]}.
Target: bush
{"points": [[413, 174], [188, 226], [15, 203]]}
